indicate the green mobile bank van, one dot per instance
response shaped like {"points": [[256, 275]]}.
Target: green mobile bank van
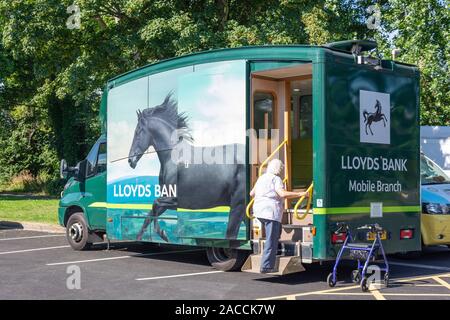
{"points": [[184, 140]]}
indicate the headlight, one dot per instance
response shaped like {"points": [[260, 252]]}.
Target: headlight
{"points": [[435, 208]]}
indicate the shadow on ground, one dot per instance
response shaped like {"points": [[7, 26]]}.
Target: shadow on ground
{"points": [[6, 225]]}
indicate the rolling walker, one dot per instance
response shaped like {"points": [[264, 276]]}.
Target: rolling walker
{"points": [[360, 252]]}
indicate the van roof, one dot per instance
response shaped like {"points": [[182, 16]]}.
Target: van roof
{"points": [[262, 52]]}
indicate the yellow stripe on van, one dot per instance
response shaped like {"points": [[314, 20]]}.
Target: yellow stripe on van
{"points": [[149, 207], [351, 210]]}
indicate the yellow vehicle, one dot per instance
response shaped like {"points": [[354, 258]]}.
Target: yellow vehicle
{"points": [[435, 197]]}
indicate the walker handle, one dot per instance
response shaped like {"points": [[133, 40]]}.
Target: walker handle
{"points": [[372, 227], [341, 225]]}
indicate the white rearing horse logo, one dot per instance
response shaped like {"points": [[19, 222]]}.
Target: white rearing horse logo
{"points": [[370, 117]]}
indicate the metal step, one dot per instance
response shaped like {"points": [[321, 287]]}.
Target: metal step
{"points": [[289, 218], [283, 264], [296, 232], [288, 248]]}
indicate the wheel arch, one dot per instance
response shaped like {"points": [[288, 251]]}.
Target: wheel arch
{"points": [[71, 210]]}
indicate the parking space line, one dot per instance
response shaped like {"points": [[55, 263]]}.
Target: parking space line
{"points": [[418, 294], [36, 249], [121, 257], [34, 237], [180, 275], [385, 294], [427, 285], [442, 282], [422, 266], [294, 295], [418, 278], [377, 294], [343, 294]]}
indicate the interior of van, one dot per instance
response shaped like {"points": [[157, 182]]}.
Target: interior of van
{"points": [[281, 115]]}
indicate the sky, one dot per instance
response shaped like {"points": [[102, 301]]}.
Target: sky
{"points": [[212, 95]]}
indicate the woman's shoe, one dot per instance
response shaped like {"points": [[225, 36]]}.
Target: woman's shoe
{"points": [[268, 270]]}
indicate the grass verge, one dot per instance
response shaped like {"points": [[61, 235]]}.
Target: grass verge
{"points": [[30, 209]]}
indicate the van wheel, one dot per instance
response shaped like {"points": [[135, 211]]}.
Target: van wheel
{"points": [[226, 259], [77, 232]]}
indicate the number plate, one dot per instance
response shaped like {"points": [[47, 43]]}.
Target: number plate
{"points": [[371, 235]]}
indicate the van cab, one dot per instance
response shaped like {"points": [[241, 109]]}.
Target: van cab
{"points": [[81, 208], [435, 197]]}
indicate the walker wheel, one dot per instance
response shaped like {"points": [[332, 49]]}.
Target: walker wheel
{"points": [[330, 280], [364, 286], [386, 279], [356, 276]]}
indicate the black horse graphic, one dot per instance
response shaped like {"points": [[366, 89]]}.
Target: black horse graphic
{"points": [[198, 186], [370, 117]]}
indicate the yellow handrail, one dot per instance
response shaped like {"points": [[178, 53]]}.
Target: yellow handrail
{"points": [[308, 205], [271, 155], [247, 210], [285, 141]]}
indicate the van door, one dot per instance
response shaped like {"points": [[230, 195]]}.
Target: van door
{"points": [[94, 199]]}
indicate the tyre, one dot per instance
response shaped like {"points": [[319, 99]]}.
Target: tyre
{"points": [[77, 232], [356, 276], [330, 280], [226, 259], [364, 285]]}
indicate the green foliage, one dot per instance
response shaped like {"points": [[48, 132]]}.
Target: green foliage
{"points": [[51, 77], [421, 29]]}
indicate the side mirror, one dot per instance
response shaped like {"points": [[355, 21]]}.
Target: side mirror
{"points": [[63, 169], [81, 171]]}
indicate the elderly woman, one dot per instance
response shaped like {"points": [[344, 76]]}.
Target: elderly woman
{"points": [[268, 208]]}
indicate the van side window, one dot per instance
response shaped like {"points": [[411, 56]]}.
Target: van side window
{"points": [[91, 161], [101, 159], [264, 112], [305, 117]]}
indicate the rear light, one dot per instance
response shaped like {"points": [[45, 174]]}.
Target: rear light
{"points": [[337, 238], [313, 231], [406, 234]]}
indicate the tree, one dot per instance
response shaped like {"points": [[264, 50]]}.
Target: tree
{"points": [[52, 77], [421, 30]]}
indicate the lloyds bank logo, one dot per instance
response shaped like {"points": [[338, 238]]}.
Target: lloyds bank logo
{"points": [[374, 117]]}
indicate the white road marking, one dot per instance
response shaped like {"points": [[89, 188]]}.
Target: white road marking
{"points": [[34, 237], [419, 278], [344, 288], [120, 257], [442, 282], [375, 292], [422, 266], [384, 294], [427, 285], [180, 275], [301, 294], [36, 249]]}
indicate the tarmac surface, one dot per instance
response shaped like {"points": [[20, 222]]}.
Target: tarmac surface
{"points": [[39, 265]]}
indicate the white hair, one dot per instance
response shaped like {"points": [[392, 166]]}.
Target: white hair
{"points": [[275, 166]]}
